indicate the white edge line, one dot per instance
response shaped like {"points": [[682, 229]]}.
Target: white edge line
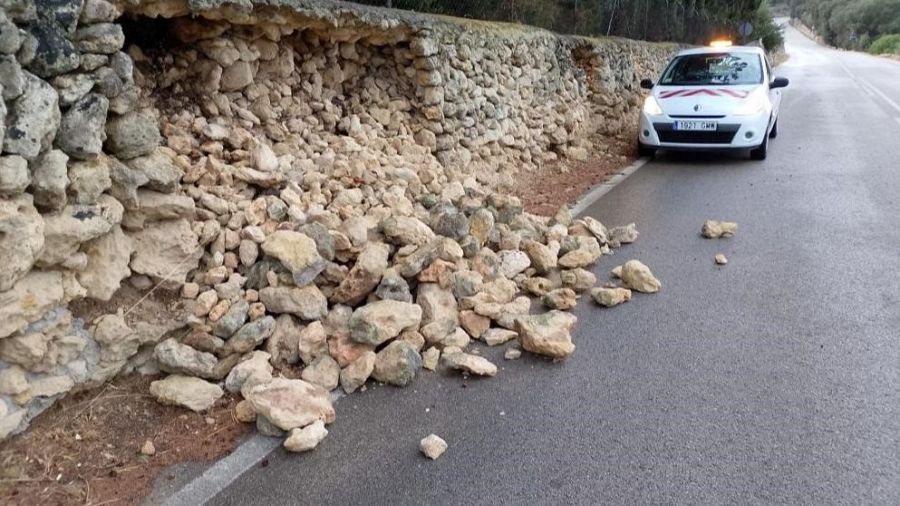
{"points": [[594, 194], [221, 474], [225, 471]]}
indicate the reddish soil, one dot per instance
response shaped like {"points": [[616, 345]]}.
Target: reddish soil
{"points": [[545, 190], [86, 449]]}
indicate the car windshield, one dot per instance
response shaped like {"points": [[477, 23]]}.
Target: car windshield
{"points": [[713, 68]]}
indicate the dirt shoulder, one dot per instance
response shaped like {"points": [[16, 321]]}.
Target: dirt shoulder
{"points": [[86, 449]]}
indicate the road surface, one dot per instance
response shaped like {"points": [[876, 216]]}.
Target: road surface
{"points": [[774, 379]]}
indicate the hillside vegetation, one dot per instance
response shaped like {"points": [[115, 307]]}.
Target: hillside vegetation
{"points": [[872, 25], [690, 21]]}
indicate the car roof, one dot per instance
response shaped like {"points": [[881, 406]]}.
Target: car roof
{"points": [[720, 50]]}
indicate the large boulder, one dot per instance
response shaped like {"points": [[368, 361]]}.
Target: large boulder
{"points": [[291, 403], [185, 391], [167, 250], [21, 239], [547, 334], [297, 252], [383, 320]]}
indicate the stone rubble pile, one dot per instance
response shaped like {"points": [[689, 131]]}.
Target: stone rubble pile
{"points": [[308, 195]]}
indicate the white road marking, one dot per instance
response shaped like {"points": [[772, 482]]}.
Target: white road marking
{"points": [[594, 194], [868, 88]]}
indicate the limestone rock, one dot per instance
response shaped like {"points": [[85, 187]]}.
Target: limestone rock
{"points": [[155, 167], [472, 364], [713, 229], [542, 258], [291, 403], [355, 375], [432, 446], [29, 298], [107, 264], [610, 297], [430, 358], [637, 276], [721, 259], [547, 334], [307, 303], [561, 298], [284, 343], [50, 180], [397, 364], [323, 371], [32, 119], [82, 129], [233, 319], [253, 370], [185, 391], [21, 239], [166, 250], [312, 342], [88, 179], [251, 335], [579, 280], [102, 38], [383, 320], [364, 276], [405, 230], [131, 135], [513, 262], [178, 358], [496, 337], [307, 438], [624, 235], [586, 254], [297, 252], [14, 176]]}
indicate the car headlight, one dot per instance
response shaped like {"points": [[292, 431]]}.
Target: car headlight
{"points": [[756, 104], [651, 106]]}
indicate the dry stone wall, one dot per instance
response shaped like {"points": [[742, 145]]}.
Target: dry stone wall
{"points": [[279, 182]]}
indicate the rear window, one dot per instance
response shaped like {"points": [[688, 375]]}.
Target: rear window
{"points": [[713, 68]]}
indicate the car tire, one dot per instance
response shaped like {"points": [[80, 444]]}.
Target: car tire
{"points": [[644, 151], [762, 151], [774, 133]]}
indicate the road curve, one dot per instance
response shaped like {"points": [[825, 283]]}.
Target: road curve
{"points": [[774, 379]]}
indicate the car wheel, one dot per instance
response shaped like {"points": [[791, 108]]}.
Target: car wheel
{"points": [[774, 133], [644, 151], [762, 151]]}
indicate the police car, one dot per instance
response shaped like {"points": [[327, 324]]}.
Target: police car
{"points": [[720, 97]]}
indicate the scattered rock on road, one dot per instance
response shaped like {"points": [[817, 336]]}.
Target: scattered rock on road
{"points": [[433, 446], [547, 334], [721, 259], [472, 364], [637, 276], [307, 438], [609, 297], [719, 229]]}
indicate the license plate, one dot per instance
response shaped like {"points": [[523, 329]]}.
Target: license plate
{"points": [[701, 126]]}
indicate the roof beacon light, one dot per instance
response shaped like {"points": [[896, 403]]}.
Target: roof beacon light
{"points": [[720, 43]]}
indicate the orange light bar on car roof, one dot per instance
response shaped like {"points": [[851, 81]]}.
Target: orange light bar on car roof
{"points": [[720, 43]]}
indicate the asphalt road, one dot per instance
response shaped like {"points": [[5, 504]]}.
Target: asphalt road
{"points": [[772, 380]]}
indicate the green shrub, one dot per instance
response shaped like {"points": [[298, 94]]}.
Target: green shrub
{"points": [[886, 44]]}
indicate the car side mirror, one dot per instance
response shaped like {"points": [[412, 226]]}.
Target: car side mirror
{"points": [[779, 82], [646, 84]]}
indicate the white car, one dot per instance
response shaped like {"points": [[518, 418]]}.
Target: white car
{"points": [[712, 98]]}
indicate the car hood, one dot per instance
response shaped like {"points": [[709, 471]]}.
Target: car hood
{"points": [[702, 100]]}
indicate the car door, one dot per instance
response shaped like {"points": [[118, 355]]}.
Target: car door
{"points": [[774, 95]]}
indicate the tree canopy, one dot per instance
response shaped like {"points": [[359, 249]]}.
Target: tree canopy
{"points": [[852, 24], [689, 21]]}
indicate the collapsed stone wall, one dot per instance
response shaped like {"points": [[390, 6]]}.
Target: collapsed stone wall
{"points": [[237, 175]]}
